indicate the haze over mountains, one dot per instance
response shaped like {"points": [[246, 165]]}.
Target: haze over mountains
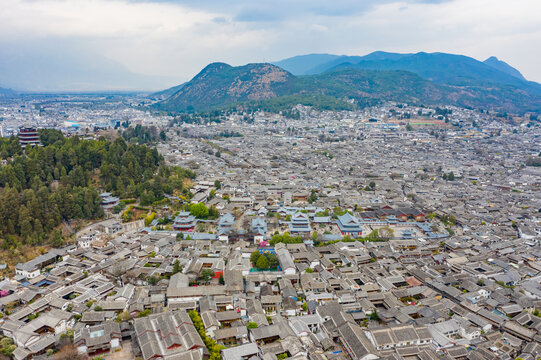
{"points": [[69, 71], [422, 78], [6, 92]]}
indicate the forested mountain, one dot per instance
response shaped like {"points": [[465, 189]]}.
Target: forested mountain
{"points": [[457, 70], [504, 67], [42, 186], [269, 87], [220, 84], [439, 67]]}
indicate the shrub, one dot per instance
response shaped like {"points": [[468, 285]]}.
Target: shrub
{"points": [[252, 325], [150, 218], [211, 345], [144, 313]]}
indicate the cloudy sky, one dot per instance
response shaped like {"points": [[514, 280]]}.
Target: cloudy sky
{"points": [[173, 39]]}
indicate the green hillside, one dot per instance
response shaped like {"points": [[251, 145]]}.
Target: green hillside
{"points": [[43, 186], [220, 86]]}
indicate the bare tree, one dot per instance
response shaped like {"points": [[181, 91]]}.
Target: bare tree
{"points": [[117, 271], [69, 352]]}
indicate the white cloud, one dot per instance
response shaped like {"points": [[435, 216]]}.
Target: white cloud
{"points": [[177, 40], [95, 18], [479, 28]]}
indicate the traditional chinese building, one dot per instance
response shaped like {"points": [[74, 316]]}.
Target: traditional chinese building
{"points": [[349, 225], [299, 223], [28, 136], [184, 222]]}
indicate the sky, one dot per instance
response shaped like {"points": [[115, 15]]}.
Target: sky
{"points": [[172, 40]]}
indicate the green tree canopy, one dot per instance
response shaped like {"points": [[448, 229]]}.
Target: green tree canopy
{"points": [[254, 256], [206, 275], [285, 238], [62, 180], [200, 211], [262, 263], [272, 260]]}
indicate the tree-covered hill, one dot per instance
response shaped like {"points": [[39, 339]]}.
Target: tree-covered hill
{"points": [[430, 79], [42, 186], [441, 68], [219, 85]]}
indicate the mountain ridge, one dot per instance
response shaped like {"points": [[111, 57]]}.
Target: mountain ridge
{"points": [[504, 67], [444, 68], [297, 65], [164, 94], [220, 85]]}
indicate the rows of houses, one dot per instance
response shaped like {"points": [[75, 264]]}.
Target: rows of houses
{"points": [[401, 298]]}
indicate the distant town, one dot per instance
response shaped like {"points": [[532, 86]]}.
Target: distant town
{"points": [[391, 232]]}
